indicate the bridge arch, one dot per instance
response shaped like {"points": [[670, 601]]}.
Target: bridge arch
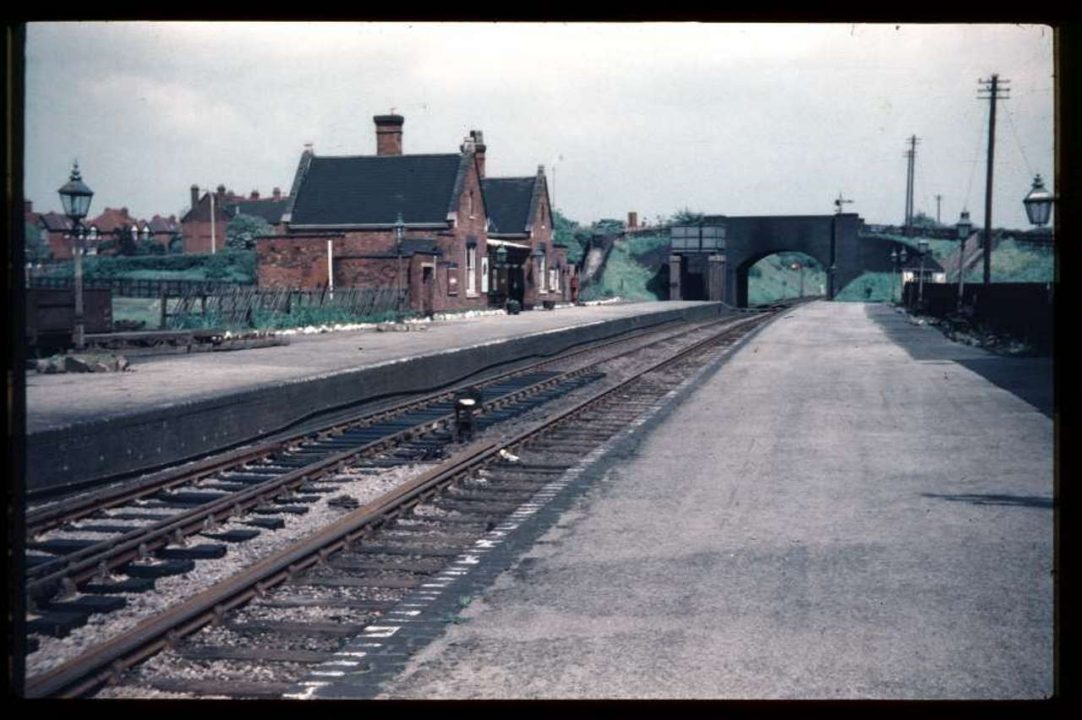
{"points": [[743, 272]]}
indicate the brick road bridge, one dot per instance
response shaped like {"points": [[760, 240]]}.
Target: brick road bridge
{"points": [[710, 260]]}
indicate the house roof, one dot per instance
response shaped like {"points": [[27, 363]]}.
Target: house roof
{"points": [[512, 203], [54, 221], [159, 224], [374, 189], [269, 209], [113, 218], [508, 202]]}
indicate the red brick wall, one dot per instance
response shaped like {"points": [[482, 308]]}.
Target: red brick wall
{"points": [[197, 238], [454, 246], [541, 236], [292, 261], [368, 272], [60, 245]]}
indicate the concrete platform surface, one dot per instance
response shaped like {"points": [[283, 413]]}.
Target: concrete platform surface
{"points": [[54, 401], [845, 510], [86, 428]]}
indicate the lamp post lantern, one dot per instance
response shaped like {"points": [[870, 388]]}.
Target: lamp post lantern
{"points": [[1038, 203], [75, 197], [399, 233], [964, 227]]}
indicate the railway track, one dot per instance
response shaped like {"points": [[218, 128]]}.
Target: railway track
{"points": [[357, 568], [76, 545]]}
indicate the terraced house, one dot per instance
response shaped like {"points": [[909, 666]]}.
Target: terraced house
{"points": [[417, 223], [203, 226]]}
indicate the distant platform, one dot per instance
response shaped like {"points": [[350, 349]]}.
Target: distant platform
{"points": [[171, 407]]}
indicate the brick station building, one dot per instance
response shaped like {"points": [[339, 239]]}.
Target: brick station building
{"points": [[520, 219], [339, 225]]}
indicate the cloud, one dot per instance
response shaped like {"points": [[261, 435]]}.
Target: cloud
{"points": [[172, 107]]}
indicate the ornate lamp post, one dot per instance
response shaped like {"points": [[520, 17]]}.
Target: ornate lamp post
{"points": [[964, 227], [503, 272], [75, 197], [923, 245], [399, 233]]}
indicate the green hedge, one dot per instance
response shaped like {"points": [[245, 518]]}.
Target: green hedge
{"points": [[236, 265]]}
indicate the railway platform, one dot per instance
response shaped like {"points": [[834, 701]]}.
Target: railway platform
{"points": [[170, 407], [854, 507]]}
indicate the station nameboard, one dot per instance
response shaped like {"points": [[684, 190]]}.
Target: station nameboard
{"points": [[697, 238]]}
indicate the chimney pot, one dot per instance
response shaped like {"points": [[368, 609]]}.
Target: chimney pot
{"points": [[195, 195], [255, 195], [277, 193], [389, 134]]}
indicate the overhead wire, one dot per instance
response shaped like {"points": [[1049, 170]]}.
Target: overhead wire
{"points": [[976, 156], [1017, 140]]}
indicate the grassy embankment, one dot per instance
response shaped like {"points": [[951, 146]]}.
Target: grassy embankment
{"points": [[1012, 261]]}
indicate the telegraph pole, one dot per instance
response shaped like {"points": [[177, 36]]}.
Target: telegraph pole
{"points": [[938, 200], [911, 154], [990, 90]]}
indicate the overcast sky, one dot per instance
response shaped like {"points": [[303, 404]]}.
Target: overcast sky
{"points": [[651, 117]]}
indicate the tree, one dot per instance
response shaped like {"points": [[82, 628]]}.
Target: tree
{"points": [[37, 249], [686, 216], [567, 232], [924, 221], [242, 231], [126, 244], [608, 226]]}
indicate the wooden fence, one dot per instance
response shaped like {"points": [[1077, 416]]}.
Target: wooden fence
{"points": [[140, 288]]}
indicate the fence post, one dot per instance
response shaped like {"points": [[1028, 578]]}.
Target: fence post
{"points": [[164, 305]]}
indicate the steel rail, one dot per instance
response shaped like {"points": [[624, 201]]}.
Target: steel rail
{"points": [[97, 666], [88, 671], [96, 560], [55, 516], [107, 555]]}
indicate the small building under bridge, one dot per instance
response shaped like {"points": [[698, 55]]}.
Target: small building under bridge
{"points": [[710, 260]]}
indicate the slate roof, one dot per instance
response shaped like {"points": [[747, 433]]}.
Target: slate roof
{"points": [[54, 221], [373, 189], [508, 201], [269, 210], [159, 224]]}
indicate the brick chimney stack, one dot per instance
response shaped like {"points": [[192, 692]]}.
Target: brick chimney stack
{"points": [[195, 196], [632, 220], [277, 194], [255, 195], [478, 139], [389, 134]]}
